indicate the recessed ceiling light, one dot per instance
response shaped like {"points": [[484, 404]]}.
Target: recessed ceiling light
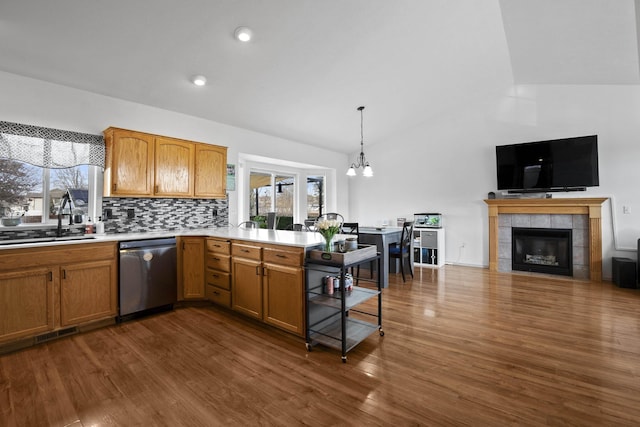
{"points": [[199, 80], [243, 34]]}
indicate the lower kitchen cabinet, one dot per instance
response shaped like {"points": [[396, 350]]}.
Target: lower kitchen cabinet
{"points": [[86, 293], [191, 268], [218, 271], [247, 280], [49, 288], [26, 303], [284, 297], [268, 284]]}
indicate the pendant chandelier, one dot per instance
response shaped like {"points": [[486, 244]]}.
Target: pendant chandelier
{"points": [[362, 160]]}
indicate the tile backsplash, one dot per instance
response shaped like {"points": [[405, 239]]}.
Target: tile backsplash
{"points": [[140, 215]]}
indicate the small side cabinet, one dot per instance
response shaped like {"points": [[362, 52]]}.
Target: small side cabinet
{"points": [[428, 247]]}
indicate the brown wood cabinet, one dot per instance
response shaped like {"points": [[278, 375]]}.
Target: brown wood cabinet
{"points": [[48, 288], [218, 271], [210, 171], [247, 279], [139, 164], [86, 293], [283, 289], [26, 303], [174, 168], [268, 284], [191, 268], [129, 164]]}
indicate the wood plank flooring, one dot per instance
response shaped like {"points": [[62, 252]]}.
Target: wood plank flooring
{"points": [[462, 347]]}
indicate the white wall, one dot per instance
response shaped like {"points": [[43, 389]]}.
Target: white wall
{"points": [[448, 164], [40, 103]]}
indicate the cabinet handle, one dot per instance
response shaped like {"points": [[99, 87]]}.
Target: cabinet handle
{"points": [[215, 259], [115, 187], [245, 250], [216, 293], [257, 270], [64, 273], [215, 276], [281, 256], [156, 189], [264, 271], [51, 276]]}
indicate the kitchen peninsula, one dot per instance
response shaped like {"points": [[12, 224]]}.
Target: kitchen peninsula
{"points": [[53, 288]]}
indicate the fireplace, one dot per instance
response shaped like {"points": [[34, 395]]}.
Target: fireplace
{"points": [[542, 250]]}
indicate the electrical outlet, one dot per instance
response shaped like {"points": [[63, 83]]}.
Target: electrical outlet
{"points": [[214, 213], [131, 213], [107, 214], [626, 210]]}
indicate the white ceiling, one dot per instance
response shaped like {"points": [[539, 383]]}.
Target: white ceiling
{"points": [[312, 62]]}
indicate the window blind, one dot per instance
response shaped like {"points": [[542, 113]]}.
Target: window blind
{"points": [[50, 148]]}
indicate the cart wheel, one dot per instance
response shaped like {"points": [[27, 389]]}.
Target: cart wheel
{"points": [[344, 359], [308, 346], [381, 333]]}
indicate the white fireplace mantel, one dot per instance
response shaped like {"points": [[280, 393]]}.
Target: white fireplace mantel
{"points": [[576, 206]]}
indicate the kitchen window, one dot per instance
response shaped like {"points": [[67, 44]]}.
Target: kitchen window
{"points": [[38, 165], [34, 193]]}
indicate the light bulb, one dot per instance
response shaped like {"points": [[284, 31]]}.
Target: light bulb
{"points": [[351, 171], [367, 170], [243, 34], [199, 80]]}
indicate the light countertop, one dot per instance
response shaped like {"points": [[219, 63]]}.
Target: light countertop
{"points": [[280, 237]]}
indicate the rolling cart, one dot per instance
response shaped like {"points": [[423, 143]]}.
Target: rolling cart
{"points": [[340, 317]]}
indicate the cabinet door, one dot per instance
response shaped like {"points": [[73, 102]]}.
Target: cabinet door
{"points": [[246, 291], [192, 267], [129, 164], [174, 168], [88, 291], [210, 171], [284, 297], [26, 303]]}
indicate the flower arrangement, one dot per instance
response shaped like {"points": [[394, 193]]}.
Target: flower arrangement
{"points": [[328, 228]]}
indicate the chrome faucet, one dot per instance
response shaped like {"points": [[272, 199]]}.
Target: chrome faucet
{"points": [[65, 198]]}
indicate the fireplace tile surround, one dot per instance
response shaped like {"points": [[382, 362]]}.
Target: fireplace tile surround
{"points": [[578, 224], [582, 215]]}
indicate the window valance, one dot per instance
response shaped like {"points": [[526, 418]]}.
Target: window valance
{"points": [[50, 148]]}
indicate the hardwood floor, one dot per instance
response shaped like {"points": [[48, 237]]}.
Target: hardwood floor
{"points": [[462, 346]]}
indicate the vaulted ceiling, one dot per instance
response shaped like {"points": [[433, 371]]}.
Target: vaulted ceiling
{"points": [[312, 63]]}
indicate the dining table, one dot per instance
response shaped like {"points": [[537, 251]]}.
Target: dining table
{"points": [[382, 237]]}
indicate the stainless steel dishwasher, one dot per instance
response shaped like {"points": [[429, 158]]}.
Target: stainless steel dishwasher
{"points": [[148, 276]]}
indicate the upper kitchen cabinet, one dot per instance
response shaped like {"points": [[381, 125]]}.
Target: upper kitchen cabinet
{"points": [[129, 169], [145, 165], [174, 168], [211, 171]]}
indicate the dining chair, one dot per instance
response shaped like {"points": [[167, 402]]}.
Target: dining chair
{"points": [[249, 224], [334, 215], [310, 224], [297, 227], [402, 250], [350, 228], [271, 220]]}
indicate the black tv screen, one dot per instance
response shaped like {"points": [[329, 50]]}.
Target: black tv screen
{"points": [[555, 165]]}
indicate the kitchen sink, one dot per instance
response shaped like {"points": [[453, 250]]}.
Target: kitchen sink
{"points": [[45, 240]]}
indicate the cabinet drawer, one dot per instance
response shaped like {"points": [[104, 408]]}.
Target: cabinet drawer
{"points": [[246, 251], [219, 246], [219, 262], [218, 296], [219, 279], [429, 239], [278, 256]]}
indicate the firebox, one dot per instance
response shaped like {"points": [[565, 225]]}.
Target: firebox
{"points": [[542, 250]]}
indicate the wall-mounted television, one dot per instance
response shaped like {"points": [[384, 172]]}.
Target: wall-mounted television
{"points": [[568, 164]]}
